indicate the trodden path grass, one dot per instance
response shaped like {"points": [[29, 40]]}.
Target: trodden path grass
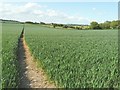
{"points": [[31, 76]]}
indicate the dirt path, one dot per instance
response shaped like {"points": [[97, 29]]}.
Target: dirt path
{"points": [[31, 76]]}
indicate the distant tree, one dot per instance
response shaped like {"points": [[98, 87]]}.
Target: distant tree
{"points": [[114, 24], [94, 25], [105, 25], [29, 22], [118, 24], [42, 23], [54, 25], [78, 28], [60, 25], [36, 23], [65, 26]]}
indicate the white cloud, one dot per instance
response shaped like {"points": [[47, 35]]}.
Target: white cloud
{"points": [[37, 12], [51, 13], [31, 5]]}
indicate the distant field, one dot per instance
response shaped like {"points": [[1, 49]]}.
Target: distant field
{"points": [[70, 58], [76, 58]]}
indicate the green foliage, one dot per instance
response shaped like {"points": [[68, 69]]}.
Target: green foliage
{"points": [[57, 25], [65, 26], [76, 59], [114, 24], [105, 25], [29, 22], [94, 25], [10, 35], [42, 23]]}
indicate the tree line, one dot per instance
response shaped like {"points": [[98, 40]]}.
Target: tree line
{"points": [[93, 25], [115, 24], [106, 25]]}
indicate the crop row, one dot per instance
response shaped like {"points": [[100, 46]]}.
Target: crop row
{"points": [[10, 68]]}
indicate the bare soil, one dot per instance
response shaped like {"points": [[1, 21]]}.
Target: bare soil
{"points": [[31, 76]]}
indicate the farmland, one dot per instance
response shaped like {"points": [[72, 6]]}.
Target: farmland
{"points": [[10, 68], [75, 58], [70, 58], [61, 45]]}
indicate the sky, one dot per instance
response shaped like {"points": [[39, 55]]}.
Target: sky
{"points": [[60, 0], [60, 12]]}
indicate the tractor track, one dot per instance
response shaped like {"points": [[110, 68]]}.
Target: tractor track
{"points": [[30, 75]]}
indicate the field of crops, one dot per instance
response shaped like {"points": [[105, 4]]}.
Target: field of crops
{"points": [[10, 35], [73, 58]]}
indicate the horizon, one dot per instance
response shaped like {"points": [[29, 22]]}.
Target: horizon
{"points": [[51, 22], [60, 12]]}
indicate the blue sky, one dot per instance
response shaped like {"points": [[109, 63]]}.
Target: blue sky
{"points": [[60, 12], [59, 0], [96, 10]]}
